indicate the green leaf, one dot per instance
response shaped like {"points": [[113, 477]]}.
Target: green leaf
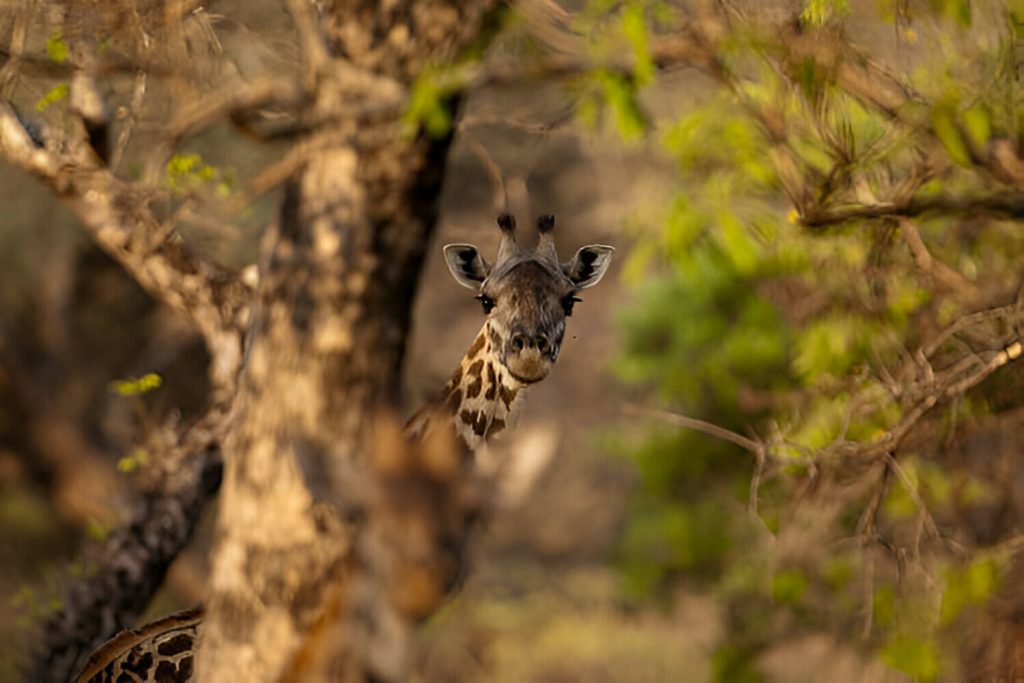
{"points": [[620, 96], [56, 94], [978, 126], [817, 13], [970, 585], [742, 250], [427, 108], [56, 48], [913, 656], [634, 27], [732, 664], [130, 463], [789, 586], [140, 385], [825, 346], [943, 118], [810, 78], [96, 531], [958, 10]]}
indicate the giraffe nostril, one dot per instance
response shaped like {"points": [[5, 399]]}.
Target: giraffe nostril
{"points": [[541, 342], [518, 342]]}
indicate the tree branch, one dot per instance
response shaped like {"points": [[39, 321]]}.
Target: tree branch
{"points": [[1002, 204], [116, 214]]}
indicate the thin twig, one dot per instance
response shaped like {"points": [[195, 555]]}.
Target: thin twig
{"points": [[696, 424]]}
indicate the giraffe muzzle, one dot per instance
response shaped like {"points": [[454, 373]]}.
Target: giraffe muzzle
{"points": [[528, 364]]}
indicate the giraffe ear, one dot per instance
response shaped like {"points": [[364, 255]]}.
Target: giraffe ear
{"points": [[589, 264], [467, 265]]}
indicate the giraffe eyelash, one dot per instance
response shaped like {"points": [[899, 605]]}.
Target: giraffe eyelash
{"points": [[568, 301]]}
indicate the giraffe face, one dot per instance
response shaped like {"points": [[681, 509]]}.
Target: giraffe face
{"points": [[527, 295]]}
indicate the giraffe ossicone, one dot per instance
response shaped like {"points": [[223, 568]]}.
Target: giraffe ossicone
{"points": [[526, 295]]}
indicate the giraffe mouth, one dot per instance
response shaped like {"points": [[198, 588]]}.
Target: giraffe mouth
{"points": [[528, 366], [525, 380]]}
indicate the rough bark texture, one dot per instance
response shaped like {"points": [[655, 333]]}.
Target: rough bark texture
{"points": [[336, 290]]}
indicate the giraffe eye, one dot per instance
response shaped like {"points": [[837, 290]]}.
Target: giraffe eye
{"points": [[485, 301], [568, 301]]}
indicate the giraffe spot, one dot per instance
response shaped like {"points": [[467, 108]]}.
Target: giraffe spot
{"points": [[494, 337], [492, 383], [480, 425], [475, 420], [478, 344], [456, 377], [475, 368], [507, 396], [455, 400], [496, 426], [176, 645], [473, 389], [167, 672], [137, 664]]}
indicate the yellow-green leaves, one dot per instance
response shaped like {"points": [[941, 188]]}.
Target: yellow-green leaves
{"points": [[428, 109], [916, 657], [944, 124], [788, 586], [634, 26], [957, 10], [138, 385], [56, 94], [829, 345], [131, 462], [188, 172], [737, 244], [607, 89], [972, 584], [56, 48], [817, 13], [978, 126]]}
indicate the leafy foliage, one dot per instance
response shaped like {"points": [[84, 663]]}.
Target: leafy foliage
{"points": [[777, 297]]}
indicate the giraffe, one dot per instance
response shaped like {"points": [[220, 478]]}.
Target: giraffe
{"points": [[526, 296]]}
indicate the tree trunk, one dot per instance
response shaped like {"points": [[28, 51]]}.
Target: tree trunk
{"points": [[336, 290]]}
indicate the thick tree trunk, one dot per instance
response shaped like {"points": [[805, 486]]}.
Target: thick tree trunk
{"points": [[336, 289]]}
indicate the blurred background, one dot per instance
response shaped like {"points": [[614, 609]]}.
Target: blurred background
{"points": [[821, 258]]}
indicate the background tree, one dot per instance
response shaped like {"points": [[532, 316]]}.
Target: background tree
{"points": [[838, 278]]}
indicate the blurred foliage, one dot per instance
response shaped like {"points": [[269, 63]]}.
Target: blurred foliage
{"points": [[188, 172], [747, 315], [56, 94], [140, 385]]}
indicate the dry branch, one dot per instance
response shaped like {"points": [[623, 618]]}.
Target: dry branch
{"points": [[117, 216], [1009, 205]]}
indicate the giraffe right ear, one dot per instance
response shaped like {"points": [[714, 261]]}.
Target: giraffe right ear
{"points": [[467, 265]]}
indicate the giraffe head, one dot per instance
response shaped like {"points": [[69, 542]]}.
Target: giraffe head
{"points": [[527, 294]]}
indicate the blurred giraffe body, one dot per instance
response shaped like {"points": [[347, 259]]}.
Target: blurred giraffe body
{"points": [[526, 295]]}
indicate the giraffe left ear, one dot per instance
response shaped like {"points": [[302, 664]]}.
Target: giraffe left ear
{"points": [[467, 265], [589, 264]]}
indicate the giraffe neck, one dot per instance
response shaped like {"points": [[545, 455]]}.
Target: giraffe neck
{"points": [[479, 401]]}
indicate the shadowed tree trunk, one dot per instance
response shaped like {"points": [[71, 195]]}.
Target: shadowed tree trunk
{"points": [[338, 278]]}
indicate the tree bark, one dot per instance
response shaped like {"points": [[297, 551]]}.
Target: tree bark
{"points": [[336, 289]]}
